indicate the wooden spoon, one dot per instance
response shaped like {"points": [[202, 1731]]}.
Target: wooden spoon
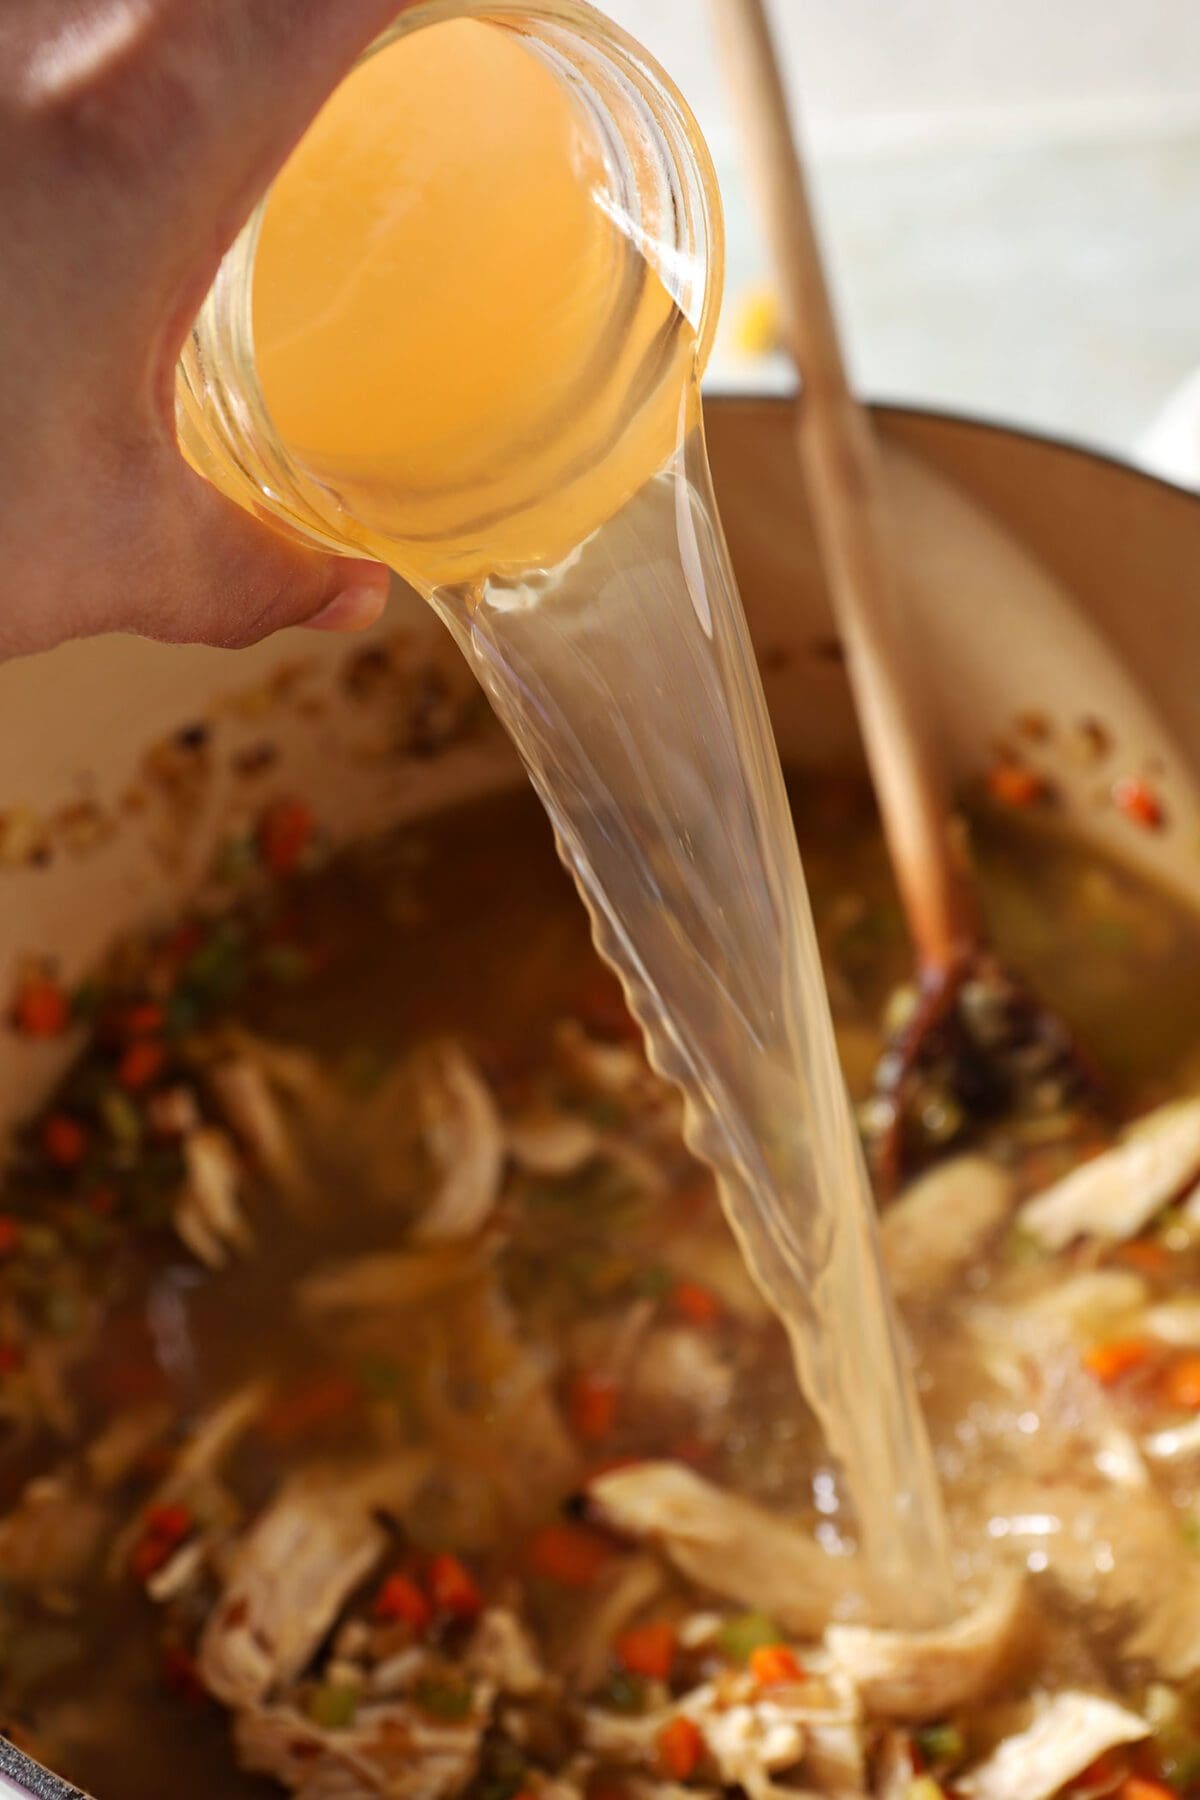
{"points": [[986, 1051]]}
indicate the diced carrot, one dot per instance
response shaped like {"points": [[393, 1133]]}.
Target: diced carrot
{"points": [[1106, 1770], [142, 1063], [41, 1008], [64, 1141], [1119, 1357], [10, 1234], [301, 1410], [693, 1451], [1145, 1787], [592, 1407], [148, 1556], [400, 1601], [774, 1665], [170, 1522], [1181, 1384], [695, 1303], [680, 1748], [145, 1019], [285, 831], [452, 1587], [649, 1650], [1139, 803], [571, 1555], [12, 1358], [1147, 1257], [1012, 784]]}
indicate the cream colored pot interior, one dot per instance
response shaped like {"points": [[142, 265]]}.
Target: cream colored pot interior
{"points": [[1051, 590]]}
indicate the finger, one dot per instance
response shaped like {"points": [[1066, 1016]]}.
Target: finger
{"points": [[235, 580]]}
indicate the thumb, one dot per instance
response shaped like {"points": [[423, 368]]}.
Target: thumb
{"points": [[234, 579]]}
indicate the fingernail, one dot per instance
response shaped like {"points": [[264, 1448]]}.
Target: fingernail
{"points": [[354, 609]]}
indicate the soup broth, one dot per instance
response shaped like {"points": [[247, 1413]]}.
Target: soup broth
{"points": [[385, 1395]]}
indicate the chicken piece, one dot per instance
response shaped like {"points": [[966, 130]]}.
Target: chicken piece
{"points": [[391, 1749], [926, 1674], [750, 1735], [1175, 1443], [503, 1655], [208, 1216], [244, 1095], [677, 1365], [290, 1574], [552, 1143], [942, 1222], [432, 1135], [1069, 1732], [1114, 1195], [388, 1280], [1092, 1304], [1175, 1322], [723, 1543]]}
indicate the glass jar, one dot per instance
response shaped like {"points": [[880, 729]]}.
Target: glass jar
{"points": [[658, 184]]}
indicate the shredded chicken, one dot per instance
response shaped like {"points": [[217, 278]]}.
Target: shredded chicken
{"points": [[244, 1095], [1114, 1195], [390, 1279], [433, 1141], [552, 1143], [724, 1544], [677, 1365], [926, 1674], [942, 1222], [208, 1216], [392, 1750], [290, 1574], [1069, 1732]]}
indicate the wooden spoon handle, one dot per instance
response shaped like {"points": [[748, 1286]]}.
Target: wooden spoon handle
{"points": [[845, 481]]}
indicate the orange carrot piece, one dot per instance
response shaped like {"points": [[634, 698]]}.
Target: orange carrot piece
{"points": [[1145, 1787], [284, 834], [649, 1650], [1120, 1356], [1012, 784], [64, 1141], [1181, 1384], [41, 1008], [592, 1407], [10, 1233], [452, 1587], [695, 1303], [400, 1601], [1137, 800], [571, 1555], [680, 1748], [774, 1665], [142, 1063]]}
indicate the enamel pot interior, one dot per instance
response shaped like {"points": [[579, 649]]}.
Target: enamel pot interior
{"points": [[1053, 593]]}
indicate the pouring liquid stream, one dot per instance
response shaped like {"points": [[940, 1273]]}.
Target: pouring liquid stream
{"points": [[509, 415]]}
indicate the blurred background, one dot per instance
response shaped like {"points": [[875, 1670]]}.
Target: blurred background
{"points": [[1010, 191]]}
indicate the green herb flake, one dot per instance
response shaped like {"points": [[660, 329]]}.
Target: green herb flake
{"points": [[333, 1706], [941, 1746], [738, 1638], [121, 1118], [444, 1700], [624, 1693], [285, 964], [655, 1282]]}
